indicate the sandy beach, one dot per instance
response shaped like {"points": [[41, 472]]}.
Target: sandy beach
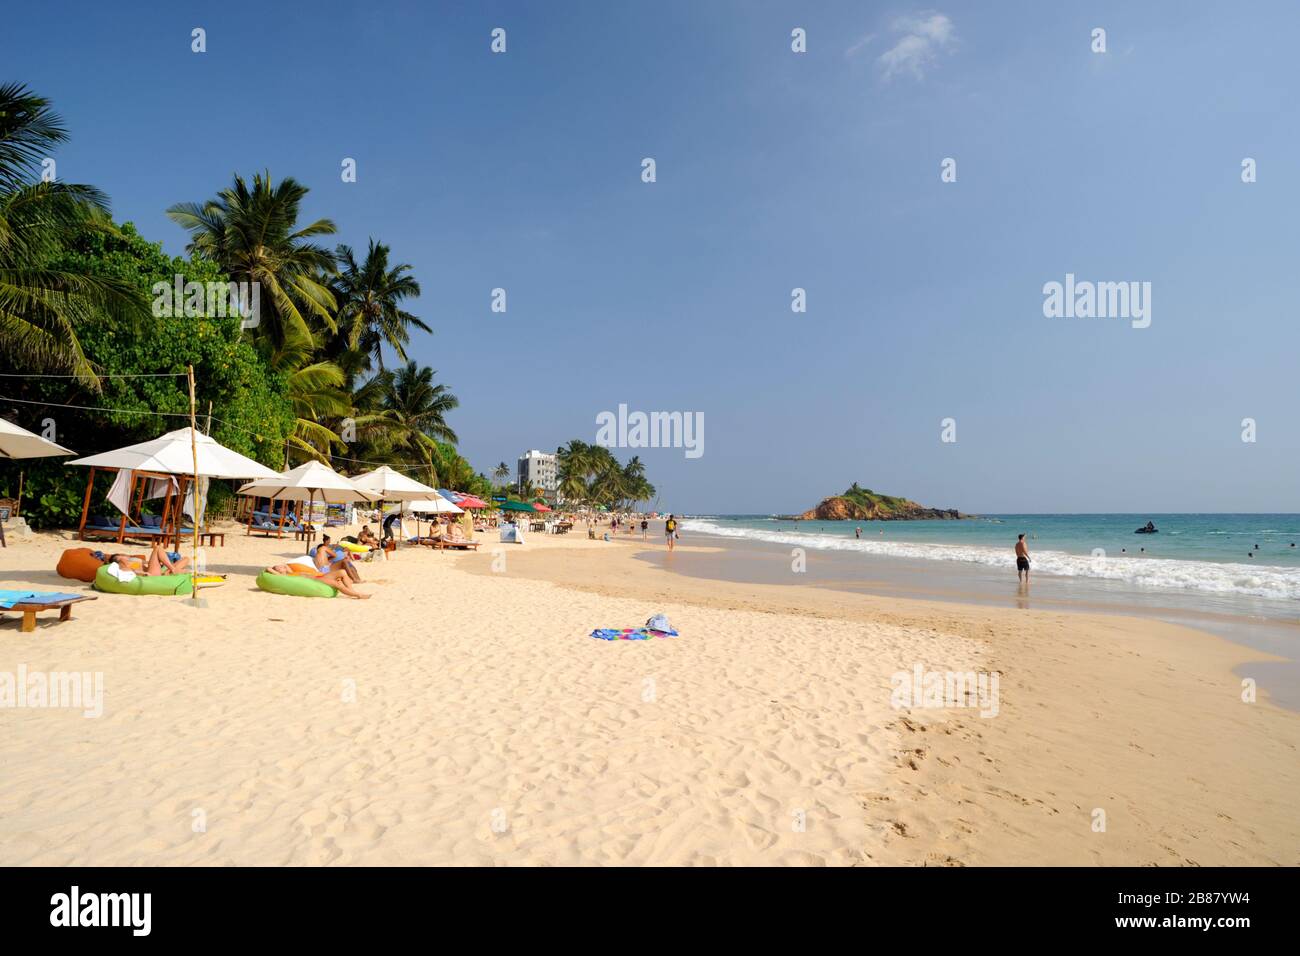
{"points": [[463, 716]]}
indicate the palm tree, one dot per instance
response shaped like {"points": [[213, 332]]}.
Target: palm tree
{"points": [[573, 488], [453, 470], [635, 486], [574, 460], [314, 392], [414, 411], [369, 299], [252, 234], [40, 308], [609, 486], [501, 473]]}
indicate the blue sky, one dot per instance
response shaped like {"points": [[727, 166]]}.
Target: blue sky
{"points": [[775, 170]]}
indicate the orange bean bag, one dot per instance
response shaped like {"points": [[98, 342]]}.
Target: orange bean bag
{"points": [[80, 564]]}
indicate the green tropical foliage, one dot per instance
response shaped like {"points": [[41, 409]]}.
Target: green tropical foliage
{"points": [[370, 317], [44, 309], [240, 400], [93, 300], [252, 234], [591, 475]]}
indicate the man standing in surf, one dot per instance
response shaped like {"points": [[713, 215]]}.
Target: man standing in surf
{"points": [[1022, 560]]}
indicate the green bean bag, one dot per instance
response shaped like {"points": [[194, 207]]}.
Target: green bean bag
{"points": [[143, 584], [298, 585]]}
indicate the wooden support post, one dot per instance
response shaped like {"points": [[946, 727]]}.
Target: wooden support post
{"points": [[85, 505]]}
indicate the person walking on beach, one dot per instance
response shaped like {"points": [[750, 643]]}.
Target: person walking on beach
{"points": [[644, 524], [670, 529], [1022, 560]]}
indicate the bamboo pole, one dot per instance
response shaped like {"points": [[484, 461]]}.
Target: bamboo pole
{"points": [[194, 451]]}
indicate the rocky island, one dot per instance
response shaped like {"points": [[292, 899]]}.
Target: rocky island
{"points": [[863, 504]]}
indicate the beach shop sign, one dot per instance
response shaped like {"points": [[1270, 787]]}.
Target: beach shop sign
{"points": [[651, 430]]}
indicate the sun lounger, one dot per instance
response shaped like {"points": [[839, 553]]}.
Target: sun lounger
{"points": [[273, 528], [131, 532], [442, 544], [28, 603]]}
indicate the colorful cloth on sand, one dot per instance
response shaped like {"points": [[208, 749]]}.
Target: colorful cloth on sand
{"points": [[629, 633]]}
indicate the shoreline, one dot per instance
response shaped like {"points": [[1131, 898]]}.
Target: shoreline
{"points": [[488, 727], [1099, 654], [1251, 623]]}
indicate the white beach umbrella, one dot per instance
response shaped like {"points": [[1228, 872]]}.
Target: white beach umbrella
{"points": [[390, 485], [434, 505], [172, 454], [310, 482], [18, 442]]}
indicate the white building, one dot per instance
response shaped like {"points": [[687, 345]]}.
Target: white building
{"points": [[540, 469]]}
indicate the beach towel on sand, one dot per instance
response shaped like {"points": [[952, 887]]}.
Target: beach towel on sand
{"points": [[9, 598], [629, 633]]}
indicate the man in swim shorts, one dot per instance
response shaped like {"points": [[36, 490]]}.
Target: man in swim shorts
{"points": [[1022, 560], [670, 529]]}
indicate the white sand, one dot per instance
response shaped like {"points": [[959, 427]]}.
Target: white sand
{"points": [[487, 727]]}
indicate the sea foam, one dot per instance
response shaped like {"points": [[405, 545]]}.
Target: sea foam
{"points": [[1262, 581]]}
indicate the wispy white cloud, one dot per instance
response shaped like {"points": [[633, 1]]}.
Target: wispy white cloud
{"points": [[861, 42], [920, 39]]}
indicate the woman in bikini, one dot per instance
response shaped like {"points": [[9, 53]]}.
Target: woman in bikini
{"points": [[337, 579]]}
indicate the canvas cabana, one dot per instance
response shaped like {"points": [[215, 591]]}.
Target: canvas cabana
{"points": [[174, 460]]}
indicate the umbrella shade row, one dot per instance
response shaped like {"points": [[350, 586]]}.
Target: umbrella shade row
{"points": [[515, 506], [309, 482], [389, 485], [435, 505], [464, 500]]}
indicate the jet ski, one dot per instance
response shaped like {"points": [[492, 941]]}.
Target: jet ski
{"points": [[1149, 529]]}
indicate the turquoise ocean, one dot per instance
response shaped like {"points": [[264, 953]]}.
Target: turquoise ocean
{"points": [[1234, 575], [1247, 555]]}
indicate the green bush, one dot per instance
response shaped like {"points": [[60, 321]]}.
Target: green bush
{"points": [[249, 409]]}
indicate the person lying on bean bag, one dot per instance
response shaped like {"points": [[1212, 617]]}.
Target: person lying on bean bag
{"points": [[337, 579]]}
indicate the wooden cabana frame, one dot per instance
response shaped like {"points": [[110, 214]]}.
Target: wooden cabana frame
{"points": [[284, 510], [169, 524]]}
